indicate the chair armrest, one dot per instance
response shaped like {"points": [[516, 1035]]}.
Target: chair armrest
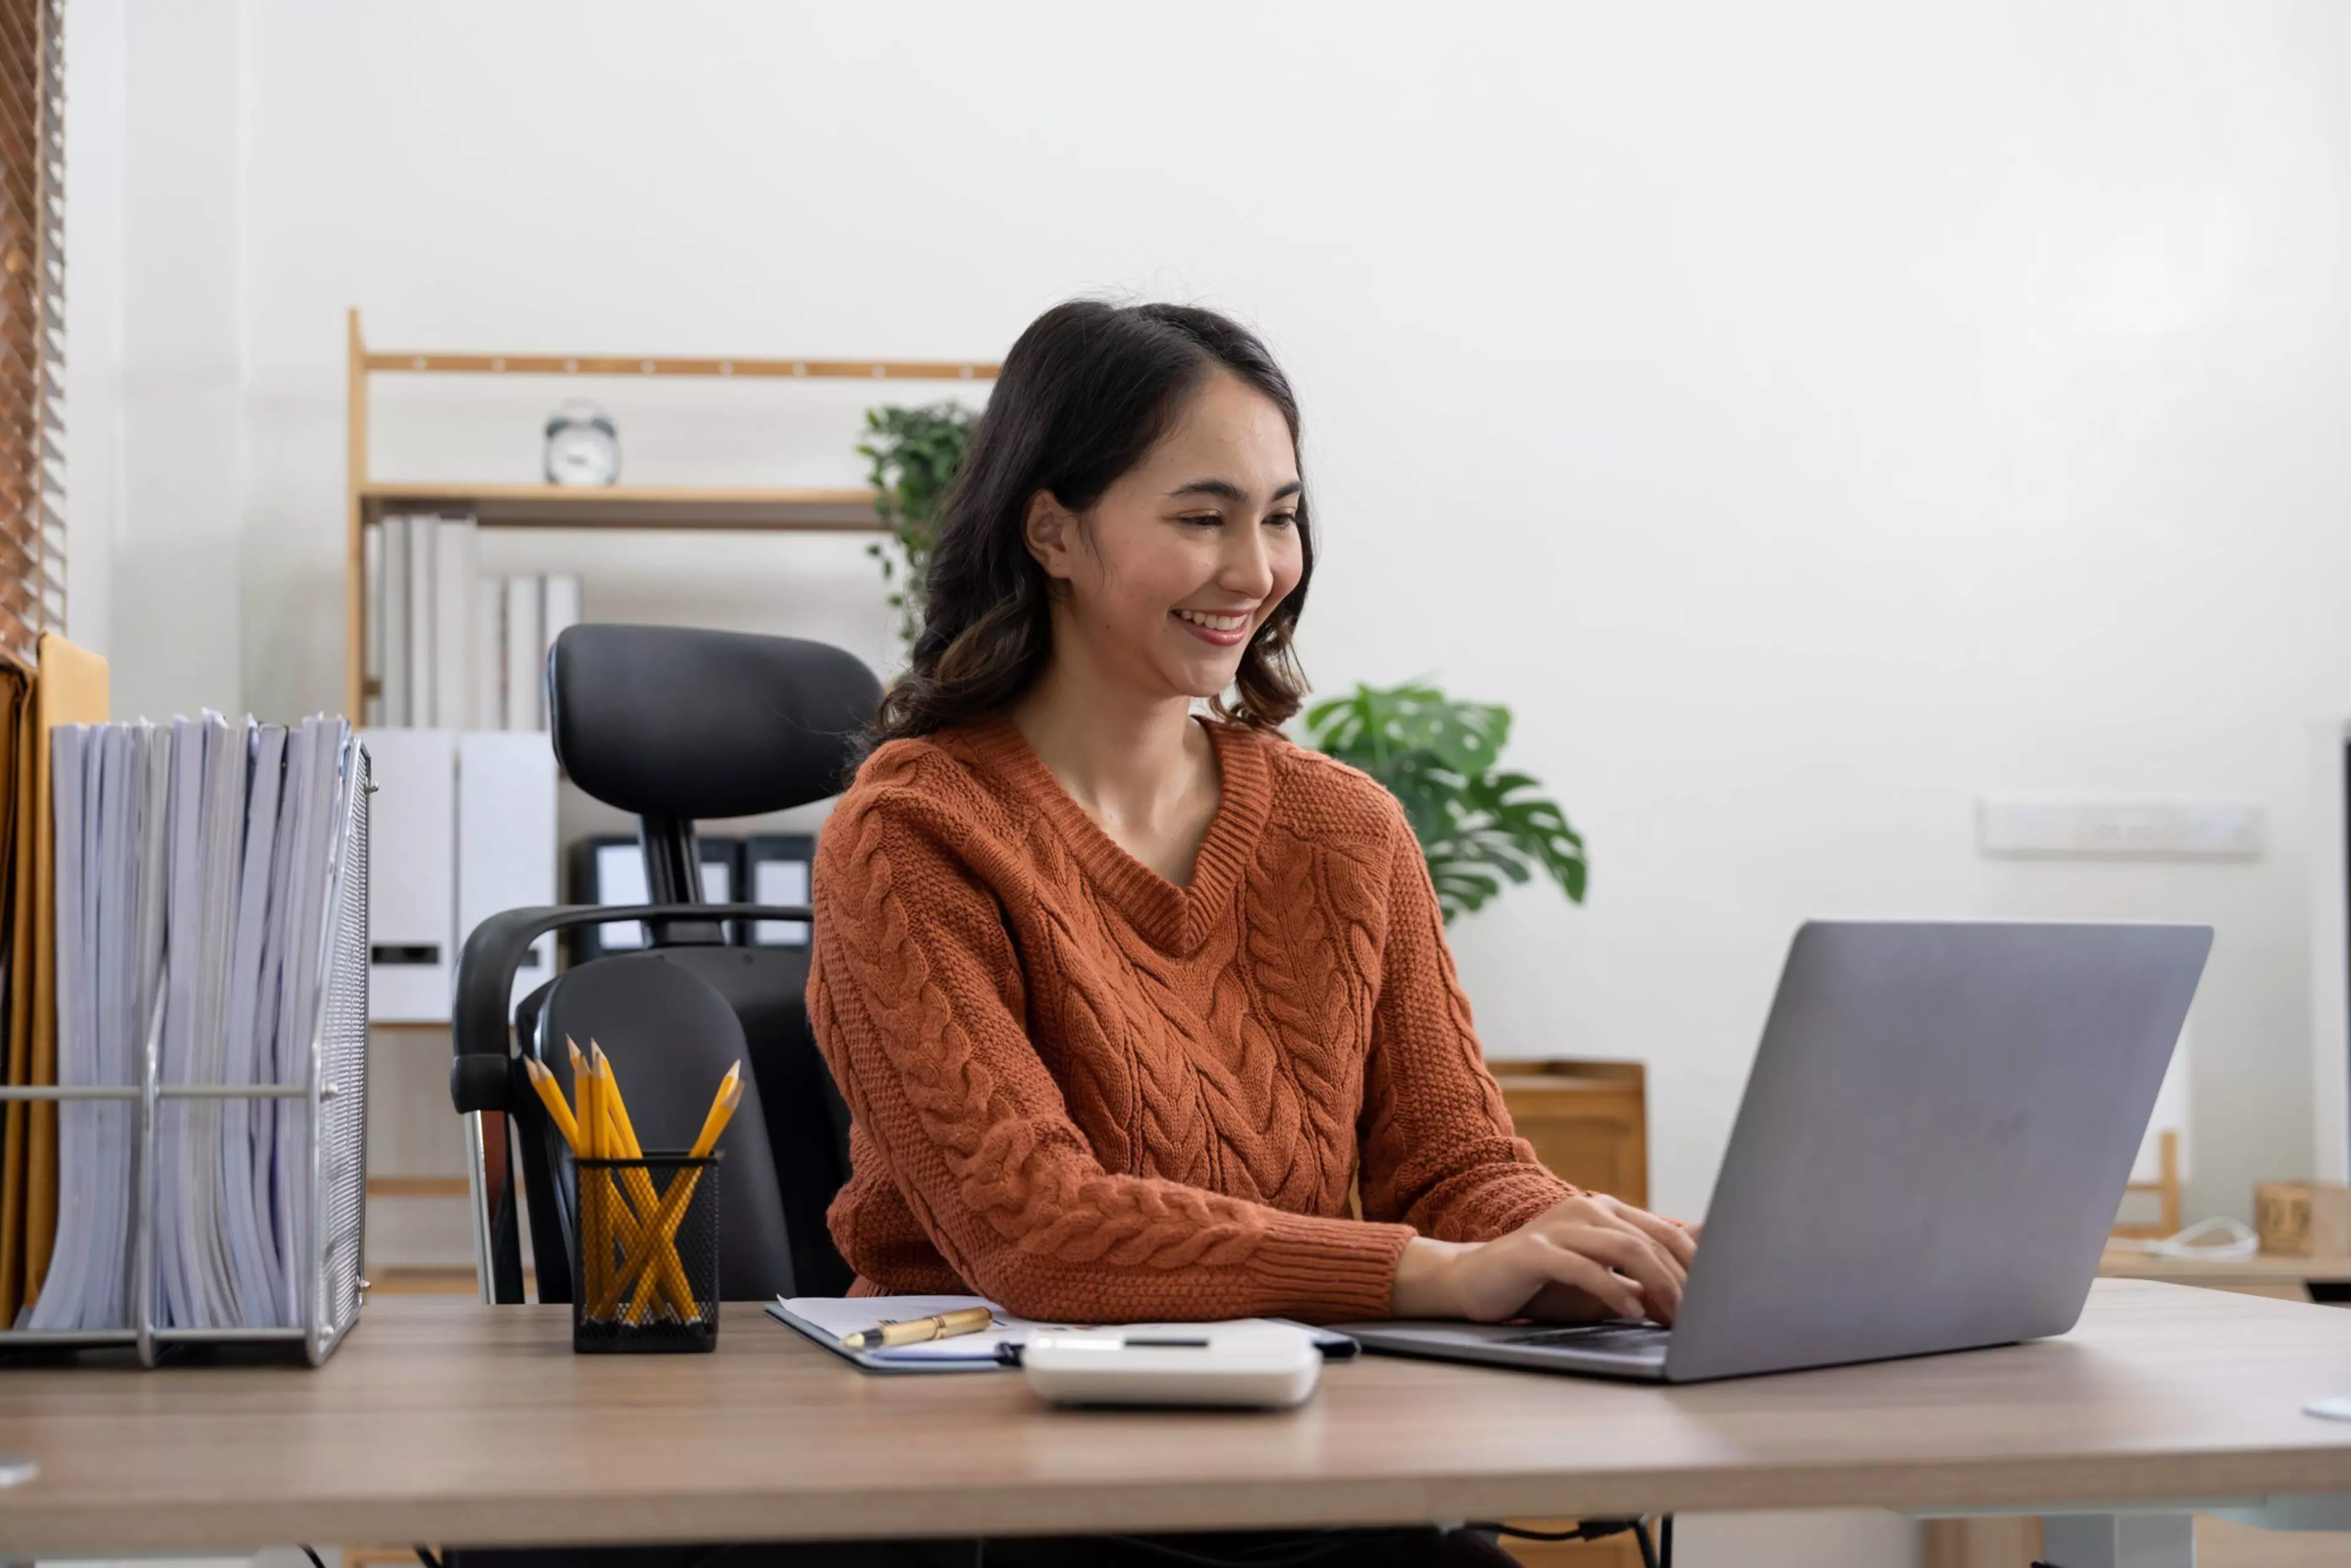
{"points": [[479, 1077]]}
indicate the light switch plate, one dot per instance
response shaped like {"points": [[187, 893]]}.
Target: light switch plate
{"points": [[2045, 827]]}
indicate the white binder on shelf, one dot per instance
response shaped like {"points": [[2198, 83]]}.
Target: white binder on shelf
{"points": [[506, 838], [453, 624], [421, 680], [394, 586], [489, 654], [372, 656], [411, 902], [558, 611], [526, 671]]}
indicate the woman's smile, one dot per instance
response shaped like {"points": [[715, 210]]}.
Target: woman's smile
{"points": [[1223, 628]]}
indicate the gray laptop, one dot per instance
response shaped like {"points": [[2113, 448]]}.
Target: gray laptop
{"points": [[1932, 1148]]}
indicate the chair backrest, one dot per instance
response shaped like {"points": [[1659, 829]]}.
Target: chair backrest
{"points": [[675, 724], [670, 1038], [807, 1124]]}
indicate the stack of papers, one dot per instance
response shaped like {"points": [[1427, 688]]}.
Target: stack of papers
{"points": [[191, 867]]}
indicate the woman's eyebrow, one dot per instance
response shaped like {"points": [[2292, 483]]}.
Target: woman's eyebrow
{"points": [[1222, 489], [1226, 490]]}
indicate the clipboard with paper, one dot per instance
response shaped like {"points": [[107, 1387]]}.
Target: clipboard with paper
{"points": [[831, 1320]]}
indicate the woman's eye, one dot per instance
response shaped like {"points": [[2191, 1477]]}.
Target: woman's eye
{"points": [[1202, 519], [1284, 520]]}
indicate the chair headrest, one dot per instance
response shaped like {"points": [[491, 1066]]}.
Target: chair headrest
{"points": [[675, 721]]}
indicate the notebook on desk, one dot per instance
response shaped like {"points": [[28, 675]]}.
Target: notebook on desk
{"points": [[831, 1320]]}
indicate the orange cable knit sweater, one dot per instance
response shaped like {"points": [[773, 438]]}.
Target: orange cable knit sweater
{"points": [[1092, 1095]]}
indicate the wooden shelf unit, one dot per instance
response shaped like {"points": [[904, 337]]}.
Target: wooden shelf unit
{"points": [[848, 509]]}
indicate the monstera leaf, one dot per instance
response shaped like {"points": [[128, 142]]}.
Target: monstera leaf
{"points": [[1479, 827]]}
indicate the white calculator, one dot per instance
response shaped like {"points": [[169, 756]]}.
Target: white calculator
{"points": [[1255, 1364]]}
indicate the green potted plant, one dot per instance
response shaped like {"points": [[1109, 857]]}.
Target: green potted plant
{"points": [[910, 456], [1477, 824]]}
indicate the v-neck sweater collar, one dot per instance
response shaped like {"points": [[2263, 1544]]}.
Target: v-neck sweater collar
{"points": [[1172, 919]]}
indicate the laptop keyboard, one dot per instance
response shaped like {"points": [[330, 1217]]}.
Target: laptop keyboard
{"points": [[1597, 1336]]}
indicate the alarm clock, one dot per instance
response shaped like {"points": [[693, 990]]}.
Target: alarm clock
{"points": [[583, 447]]}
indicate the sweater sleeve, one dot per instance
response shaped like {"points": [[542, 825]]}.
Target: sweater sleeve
{"points": [[917, 1001], [1439, 1150]]}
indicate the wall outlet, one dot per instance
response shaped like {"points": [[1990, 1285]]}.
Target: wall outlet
{"points": [[2119, 830]]}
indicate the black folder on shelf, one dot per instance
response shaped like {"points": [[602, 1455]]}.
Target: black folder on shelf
{"points": [[775, 871], [609, 868]]}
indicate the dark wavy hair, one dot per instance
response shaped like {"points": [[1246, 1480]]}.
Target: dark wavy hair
{"points": [[1087, 390]]}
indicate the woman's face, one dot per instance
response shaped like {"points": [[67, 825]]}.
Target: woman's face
{"points": [[1186, 555]]}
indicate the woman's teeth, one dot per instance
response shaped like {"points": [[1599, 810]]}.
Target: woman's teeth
{"points": [[1214, 623]]}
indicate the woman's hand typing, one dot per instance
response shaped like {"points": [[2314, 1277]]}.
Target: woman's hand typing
{"points": [[1589, 1257]]}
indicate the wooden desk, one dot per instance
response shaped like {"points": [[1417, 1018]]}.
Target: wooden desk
{"points": [[2287, 1279], [2006, 1543], [453, 1422]]}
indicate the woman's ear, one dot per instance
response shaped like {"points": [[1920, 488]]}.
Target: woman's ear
{"points": [[1050, 532]]}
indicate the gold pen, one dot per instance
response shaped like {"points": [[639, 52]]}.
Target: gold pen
{"points": [[915, 1331]]}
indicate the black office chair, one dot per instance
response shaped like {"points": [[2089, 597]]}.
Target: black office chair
{"points": [[674, 725]]}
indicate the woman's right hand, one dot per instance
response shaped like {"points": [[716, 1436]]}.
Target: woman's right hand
{"points": [[1587, 1258]]}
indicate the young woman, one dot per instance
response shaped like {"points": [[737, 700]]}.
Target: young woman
{"points": [[1127, 1001]]}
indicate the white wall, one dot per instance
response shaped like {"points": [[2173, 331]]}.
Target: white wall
{"points": [[177, 569], [1806, 423]]}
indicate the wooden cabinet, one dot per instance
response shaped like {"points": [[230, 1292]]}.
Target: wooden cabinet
{"points": [[1588, 1121]]}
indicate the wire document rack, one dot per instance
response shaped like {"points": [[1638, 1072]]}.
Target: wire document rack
{"points": [[333, 1233]]}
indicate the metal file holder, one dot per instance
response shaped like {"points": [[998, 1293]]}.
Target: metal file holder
{"points": [[334, 1099]]}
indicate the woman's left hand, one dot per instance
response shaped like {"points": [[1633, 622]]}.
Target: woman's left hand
{"points": [[1588, 1256], [1558, 1302]]}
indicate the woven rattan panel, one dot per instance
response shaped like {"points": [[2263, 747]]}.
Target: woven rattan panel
{"points": [[32, 322]]}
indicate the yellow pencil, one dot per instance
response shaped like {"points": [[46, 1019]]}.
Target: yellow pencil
{"points": [[661, 1235], [583, 1096], [579, 1096], [617, 1109], [722, 1107], [543, 1082], [663, 1228], [669, 1271], [595, 1192]]}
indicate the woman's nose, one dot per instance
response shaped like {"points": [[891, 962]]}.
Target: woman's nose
{"points": [[1247, 567]]}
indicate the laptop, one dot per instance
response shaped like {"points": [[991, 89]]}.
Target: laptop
{"points": [[1929, 1155]]}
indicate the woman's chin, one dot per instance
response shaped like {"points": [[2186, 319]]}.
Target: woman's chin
{"points": [[1198, 675], [1202, 682]]}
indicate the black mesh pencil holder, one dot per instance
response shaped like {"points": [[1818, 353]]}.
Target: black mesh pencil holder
{"points": [[645, 1274]]}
